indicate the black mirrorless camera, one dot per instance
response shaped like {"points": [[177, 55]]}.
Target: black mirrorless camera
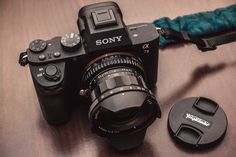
{"points": [[113, 64]]}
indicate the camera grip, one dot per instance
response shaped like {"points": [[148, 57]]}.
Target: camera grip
{"points": [[150, 64], [51, 88], [145, 41]]}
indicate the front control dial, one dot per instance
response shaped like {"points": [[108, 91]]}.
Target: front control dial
{"points": [[38, 45], [52, 73], [70, 42]]}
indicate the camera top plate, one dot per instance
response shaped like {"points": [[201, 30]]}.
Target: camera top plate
{"points": [[53, 50]]}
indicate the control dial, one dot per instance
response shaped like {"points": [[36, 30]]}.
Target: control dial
{"points": [[38, 45], [52, 73], [70, 42]]}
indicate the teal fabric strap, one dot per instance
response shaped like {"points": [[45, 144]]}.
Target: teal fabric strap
{"points": [[200, 24]]}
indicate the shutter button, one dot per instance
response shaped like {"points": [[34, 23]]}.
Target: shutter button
{"points": [[52, 73]]}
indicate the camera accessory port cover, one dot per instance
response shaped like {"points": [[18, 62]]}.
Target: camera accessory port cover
{"points": [[197, 123]]}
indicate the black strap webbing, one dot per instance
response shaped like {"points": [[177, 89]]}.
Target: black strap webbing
{"points": [[223, 39], [202, 44]]}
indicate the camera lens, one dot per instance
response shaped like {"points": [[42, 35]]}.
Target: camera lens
{"points": [[121, 102], [124, 115]]}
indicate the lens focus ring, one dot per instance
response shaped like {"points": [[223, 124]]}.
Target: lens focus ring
{"points": [[116, 78]]}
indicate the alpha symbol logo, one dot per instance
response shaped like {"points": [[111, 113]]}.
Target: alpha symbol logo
{"points": [[146, 48]]}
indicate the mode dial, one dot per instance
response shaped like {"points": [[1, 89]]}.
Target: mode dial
{"points": [[70, 42], [37, 45]]}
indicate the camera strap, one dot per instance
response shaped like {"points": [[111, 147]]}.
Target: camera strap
{"points": [[196, 27], [202, 44]]}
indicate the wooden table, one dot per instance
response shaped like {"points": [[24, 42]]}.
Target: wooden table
{"points": [[183, 72]]}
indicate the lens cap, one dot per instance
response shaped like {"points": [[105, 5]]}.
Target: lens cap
{"points": [[197, 122]]}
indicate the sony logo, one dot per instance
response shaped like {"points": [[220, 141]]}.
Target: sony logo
{"points": [[105, 41]]}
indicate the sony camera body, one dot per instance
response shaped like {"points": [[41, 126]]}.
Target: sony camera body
{"points": [[113, 64]]}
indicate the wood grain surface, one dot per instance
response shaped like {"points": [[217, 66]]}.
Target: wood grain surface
{"points": [[183, 72]]}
